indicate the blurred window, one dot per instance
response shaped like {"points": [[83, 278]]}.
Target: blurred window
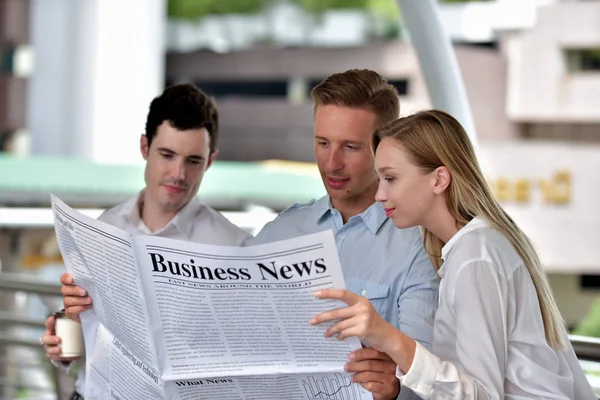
{"points": [[253, 88], [583, 60]]}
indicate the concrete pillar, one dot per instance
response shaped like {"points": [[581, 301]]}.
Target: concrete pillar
{"points": [[438, 61], [98, 64]]}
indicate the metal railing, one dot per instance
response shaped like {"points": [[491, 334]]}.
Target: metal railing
{"points": [[586, 348], [12, 283], [18, 283]]}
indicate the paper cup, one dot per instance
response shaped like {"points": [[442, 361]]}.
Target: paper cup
{"points": [[70, 334]]}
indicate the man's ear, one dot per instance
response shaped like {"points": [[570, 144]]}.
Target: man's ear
{"points": [[212, 158], [144, 146], [442, 180]]}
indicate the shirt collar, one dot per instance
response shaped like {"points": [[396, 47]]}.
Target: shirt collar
{"points": [[183, 220], [323, 208], [475, 223], [131, 209], [373, 217]]}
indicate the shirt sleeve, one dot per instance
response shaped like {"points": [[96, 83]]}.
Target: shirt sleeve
{"points": [[582, 389], [479, 303], [63, 366], [284, 226], [243, 237], [417, 302], [267, 234]]}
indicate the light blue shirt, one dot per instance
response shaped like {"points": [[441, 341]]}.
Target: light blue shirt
{"points": [[387, 265]]}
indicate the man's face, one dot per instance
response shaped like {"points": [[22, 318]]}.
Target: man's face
{"points": [[343, 152], [176, 162]]}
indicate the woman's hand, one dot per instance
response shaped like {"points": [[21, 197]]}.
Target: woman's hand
{"points": [[358, 319]]}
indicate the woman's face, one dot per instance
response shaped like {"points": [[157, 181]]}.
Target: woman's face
{"points": [[407, 193]]}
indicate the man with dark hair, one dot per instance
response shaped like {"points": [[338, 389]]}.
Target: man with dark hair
{"points": [[184, 107], [179, 145], [388, 266]]}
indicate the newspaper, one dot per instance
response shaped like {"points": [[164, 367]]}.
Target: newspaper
{"points": [[179, 320]]}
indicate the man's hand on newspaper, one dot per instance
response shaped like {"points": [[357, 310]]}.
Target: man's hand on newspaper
{"points": [[51, 342], [75, 298], [375, 371]]}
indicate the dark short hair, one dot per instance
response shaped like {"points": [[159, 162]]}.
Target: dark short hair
{"points": [[185, 107]]}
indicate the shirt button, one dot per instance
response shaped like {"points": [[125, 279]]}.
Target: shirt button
{"points": [[364, 293], [339, 237]]}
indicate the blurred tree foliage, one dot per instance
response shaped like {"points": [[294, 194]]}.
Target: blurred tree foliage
{"points": [[197, 9], [388, 8], [320, 6], [590, 324]]}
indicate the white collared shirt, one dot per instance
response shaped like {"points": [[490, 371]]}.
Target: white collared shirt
{"points": [[489, 340], [195, 222]]}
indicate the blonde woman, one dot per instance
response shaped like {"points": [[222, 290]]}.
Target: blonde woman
{"points": [[498, 333]]}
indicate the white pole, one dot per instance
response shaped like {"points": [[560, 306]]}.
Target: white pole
{"points": [[438, 61], [98, 64]]}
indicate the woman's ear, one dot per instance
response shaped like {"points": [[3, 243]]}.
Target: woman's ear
{"points": [[442, 180]]}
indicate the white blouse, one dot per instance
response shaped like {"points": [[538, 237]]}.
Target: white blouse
{"points": [[489, 340]]}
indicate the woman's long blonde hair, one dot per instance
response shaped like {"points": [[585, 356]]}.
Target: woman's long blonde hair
{"points": [[434, 139]]}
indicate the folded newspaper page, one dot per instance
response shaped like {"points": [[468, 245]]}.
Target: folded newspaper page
{"points": [[180, 320]]}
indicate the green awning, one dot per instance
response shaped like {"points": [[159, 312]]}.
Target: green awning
{"points": [[27, 181]]}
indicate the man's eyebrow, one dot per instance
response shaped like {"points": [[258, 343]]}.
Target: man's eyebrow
{"points": [[195, 157], [343, 142], [165, 150]]}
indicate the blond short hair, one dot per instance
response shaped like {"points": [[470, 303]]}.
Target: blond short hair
{"points": [[362, 89]]}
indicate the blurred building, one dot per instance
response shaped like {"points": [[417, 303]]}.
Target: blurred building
{"points": [[554, 73], [264, 93], [76, 78], [531, 70], [14, 37]]}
